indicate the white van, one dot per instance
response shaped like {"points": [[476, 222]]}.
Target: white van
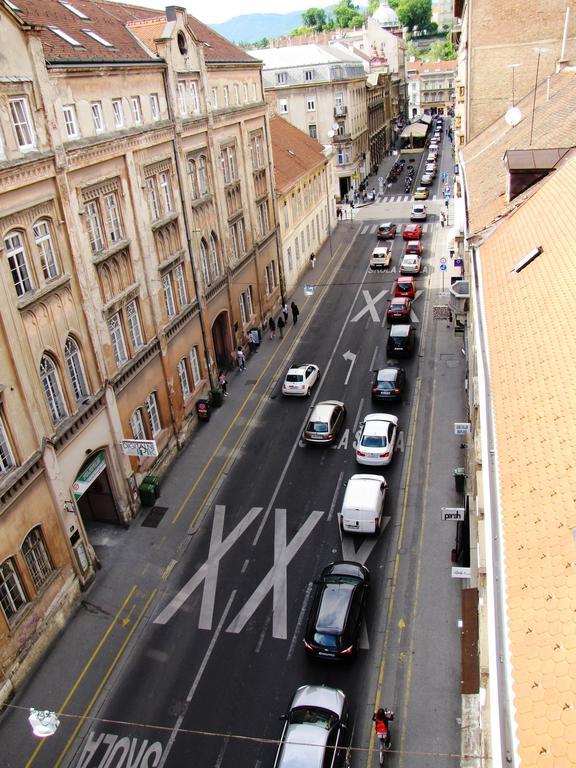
{"points": [[363, 504]]}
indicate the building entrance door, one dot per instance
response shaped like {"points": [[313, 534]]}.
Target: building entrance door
{"points": [[93, 494]]}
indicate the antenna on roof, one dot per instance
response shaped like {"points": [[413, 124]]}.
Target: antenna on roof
{"points": [[513, 115], [539, 51]]}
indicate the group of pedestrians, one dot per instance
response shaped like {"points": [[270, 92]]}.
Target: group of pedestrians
{"points": [[282, 321]]}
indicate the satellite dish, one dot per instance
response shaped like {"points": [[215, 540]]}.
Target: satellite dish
{"points": [[330, 134], [513, 116], [335, 126]]}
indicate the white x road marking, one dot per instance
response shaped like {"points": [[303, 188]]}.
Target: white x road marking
{"points": [[276, 578], [370, 306], [208, 573]]}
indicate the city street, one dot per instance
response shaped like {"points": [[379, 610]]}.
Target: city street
{"points": [[199, 663]]}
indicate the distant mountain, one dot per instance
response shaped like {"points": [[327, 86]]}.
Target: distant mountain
{"points": [[255, 26]]}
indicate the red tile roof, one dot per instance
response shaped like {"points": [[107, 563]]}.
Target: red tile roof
{"points": [[124, 26], [294, 153]]}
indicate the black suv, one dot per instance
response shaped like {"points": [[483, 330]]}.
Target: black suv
{"points": [[337, 610], [388, 384], [401, 341]]}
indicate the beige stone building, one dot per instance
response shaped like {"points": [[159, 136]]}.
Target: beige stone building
{"points": [[504, 49], [139, 246], [436, 86], [305, 202]]}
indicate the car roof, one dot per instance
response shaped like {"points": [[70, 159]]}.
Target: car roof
{"points": [[405, 279], [418, 207], [381, 249], [387, 224], [387, 374], [304, 746], [296, 368], [399, 300], [410, 257], [322, 411], [410, 227], [378, 418], [332, 699], [333, 607]]}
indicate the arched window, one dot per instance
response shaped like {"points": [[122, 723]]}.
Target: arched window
{"points": [[18, 262], [46, 251], [214, 263], [204, 262], [12, 596], [52, 389], [36, 556], [137, 425], [193, 179], [75, 369]]}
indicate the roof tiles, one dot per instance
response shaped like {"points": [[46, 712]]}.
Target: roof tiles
{"points": [[295, 153]]}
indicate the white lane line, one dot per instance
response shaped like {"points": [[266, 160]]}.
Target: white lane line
{"points": [[335, 496], [357, 417], [300, 620], [220, 757], [373, 358], [245, 566], [196, 682], [365, 229], [263, 633]]}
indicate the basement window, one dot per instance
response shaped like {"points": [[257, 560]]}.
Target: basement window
{"points": [[528, 259]]}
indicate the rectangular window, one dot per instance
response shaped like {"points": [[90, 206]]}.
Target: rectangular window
{"points": [[153, 415], [137, 425], [182, 98], [254, 92], [313, 131], [243, 316], [166, 191], [249, 302], [153, 201], [118, 341], [70, 121], [245, 88], [18, 263], [112, 218], [118, 112], [263, 218], [237, 93], [289, 259], [134, 327], [43, 240], [281, 78], [6, 455], [194, 97], [214, 98], [22, 123], [282, 106], [12, 596], [180, 280], [309, 75], [311, 104], [97, 117], [226, 94], [195, 366], [168, 295], [154, 106], [36, 556], [136, 110], [184, 381], [94, 227]]}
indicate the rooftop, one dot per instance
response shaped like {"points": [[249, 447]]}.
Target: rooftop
{"points": [[295, 153]]}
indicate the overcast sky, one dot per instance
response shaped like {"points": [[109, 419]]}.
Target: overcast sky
{"points": [[217, 11]]}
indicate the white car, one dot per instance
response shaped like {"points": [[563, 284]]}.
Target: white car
{"points": [[418, 212], [300, 379], [380, 258], [431, 168], [411, 264], [377, 439]]}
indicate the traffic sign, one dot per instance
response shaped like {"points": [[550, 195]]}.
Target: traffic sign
{"points": [[461, 427], [442, 259], [443, 267], [453, 513]]}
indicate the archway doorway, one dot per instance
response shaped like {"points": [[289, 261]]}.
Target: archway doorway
{"points": [[222, 341], [93, 493]]}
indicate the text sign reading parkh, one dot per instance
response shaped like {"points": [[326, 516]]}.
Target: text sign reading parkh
{"points": [[452, 513], [143, 448]]}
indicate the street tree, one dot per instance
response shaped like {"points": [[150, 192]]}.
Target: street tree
{"points": [[315, 18]]}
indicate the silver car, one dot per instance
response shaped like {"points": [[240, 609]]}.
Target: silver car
{"points": [[314, 734], [325, 422]]}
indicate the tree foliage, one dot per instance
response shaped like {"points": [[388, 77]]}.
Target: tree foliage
{"points": [[414, 13], [315, 18], [347, 15], [441, 50], [263, 43]]}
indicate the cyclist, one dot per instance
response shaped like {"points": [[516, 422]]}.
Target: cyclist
{"points": [[382, 719]]}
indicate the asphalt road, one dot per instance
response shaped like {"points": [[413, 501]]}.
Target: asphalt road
{"points": [[207, 679]]}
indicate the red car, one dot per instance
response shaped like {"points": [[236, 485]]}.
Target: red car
{"points": [[414, 246], [412, 232], [399, 310], [405, 286]]}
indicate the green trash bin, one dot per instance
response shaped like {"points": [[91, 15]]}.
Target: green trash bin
{"points": [[459, 479], [147, 494], [216, 397], [154, 481]]}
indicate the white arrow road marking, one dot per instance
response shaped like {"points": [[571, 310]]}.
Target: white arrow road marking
{"points": [[351, 358], [370, 306], [208, 573], [276, 578], [413, 316], [349, 549]]}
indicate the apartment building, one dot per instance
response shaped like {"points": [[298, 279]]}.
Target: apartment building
{"points": [[136, 221], [436, 89]]}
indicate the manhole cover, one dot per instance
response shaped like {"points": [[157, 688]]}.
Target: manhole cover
{"points": [[153, 517]]}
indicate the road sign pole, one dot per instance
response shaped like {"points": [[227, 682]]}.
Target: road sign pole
{"points": [[442, 281]]}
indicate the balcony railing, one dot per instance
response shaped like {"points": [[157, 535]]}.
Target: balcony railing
{"points": [[340, 111]]}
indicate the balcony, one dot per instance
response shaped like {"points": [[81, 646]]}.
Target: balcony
{"points": [[340, 138], [340, 111]]}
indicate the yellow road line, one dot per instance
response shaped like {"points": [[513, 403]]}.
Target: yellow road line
{"points": [[87, 666], [104, 680]]}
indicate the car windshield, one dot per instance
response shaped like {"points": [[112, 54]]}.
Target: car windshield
{"points": [[317, 426], [374, 441], [295, 377], [404, 287], [318, 717], [385, 385], [397, 305]]}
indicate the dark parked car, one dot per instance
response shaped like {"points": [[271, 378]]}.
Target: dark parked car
{"points": [[388, 384], [386, 231], [337, 610], [401, 341]]}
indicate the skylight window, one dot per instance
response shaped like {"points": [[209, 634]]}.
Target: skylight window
{"points": [[534, 253], [12, 6], [73, 10], [98, 39], [65, 36]]}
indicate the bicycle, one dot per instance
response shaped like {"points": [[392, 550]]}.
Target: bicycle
{"points": [[383, 732]]}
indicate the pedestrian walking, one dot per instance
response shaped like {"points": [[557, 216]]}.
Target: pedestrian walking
{"points": [[285, 312], [241, 358], [312, 259], [223, 383], [443, 219], [339, 213], [272, 327], [295, 312], [281, 325], [253, 340]]}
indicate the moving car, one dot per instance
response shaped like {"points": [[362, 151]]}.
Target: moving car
{"points": [[418, 212], [325, 422], [427, 180], [431, 168], [375, 446], [411, 264], [337, 611], [401, 341], [399, 310], [363, 504], [412, 232], [380, 258], [314, 734], [386, 231], [388, 384], [421, 193], [404, 286], [300, 379], [414, 246]]}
